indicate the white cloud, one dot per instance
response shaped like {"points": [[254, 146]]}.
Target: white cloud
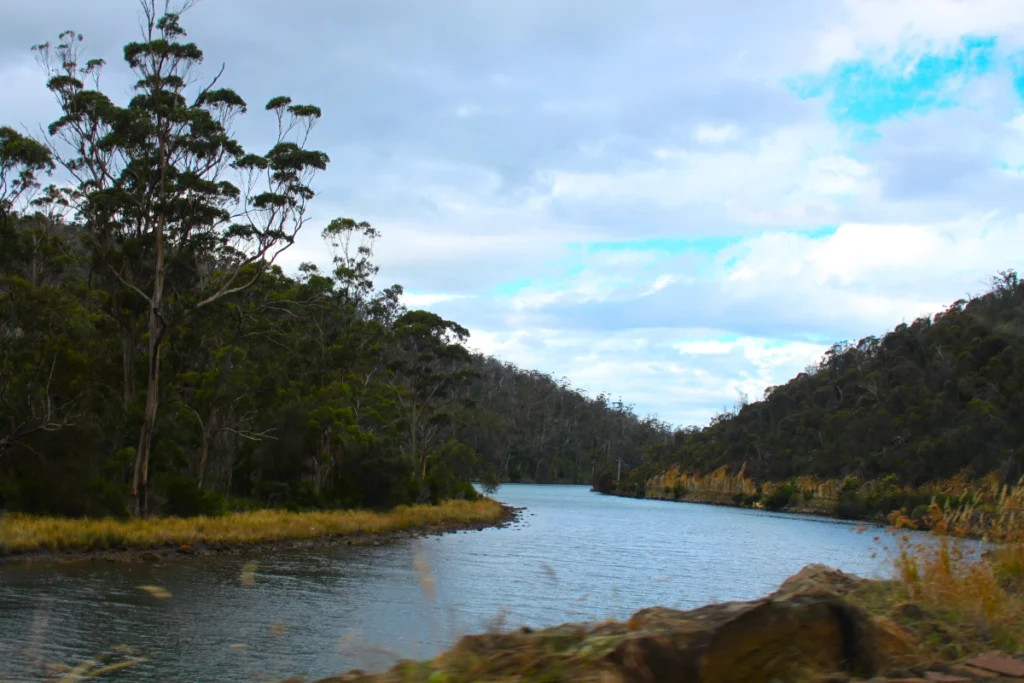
{"points": [[414, 300], [880, 28], [615, 125], [683, 375], [793, 176], [711, 133], [661, 283]]}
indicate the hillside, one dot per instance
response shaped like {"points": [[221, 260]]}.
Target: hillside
{"points": [[940, 397], [155, 359]]}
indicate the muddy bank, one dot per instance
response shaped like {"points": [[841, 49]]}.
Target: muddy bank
{"points": [[509, 516]]}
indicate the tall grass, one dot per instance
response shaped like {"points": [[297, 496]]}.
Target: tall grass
{"points": [[23, 533], [972, 598]]}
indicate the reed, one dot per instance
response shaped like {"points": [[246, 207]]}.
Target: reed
{"points": [[973, 598], [25, 533]]}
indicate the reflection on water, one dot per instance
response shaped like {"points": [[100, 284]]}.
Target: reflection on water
{"points": [[575, 556]]}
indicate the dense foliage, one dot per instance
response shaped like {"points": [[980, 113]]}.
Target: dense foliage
{"points": [[941, 396], [154, 359]]}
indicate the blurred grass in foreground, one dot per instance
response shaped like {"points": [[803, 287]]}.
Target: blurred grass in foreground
{"points": [[959, 598]]}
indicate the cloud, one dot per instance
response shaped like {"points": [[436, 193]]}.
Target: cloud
{"points": [[712, 133], [672, 202], [413, 300], [885, 27]]}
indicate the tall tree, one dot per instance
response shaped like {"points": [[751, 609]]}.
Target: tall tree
{"points": [[153, 197]]}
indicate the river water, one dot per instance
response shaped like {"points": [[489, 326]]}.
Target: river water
{"points": [[575, 556]]}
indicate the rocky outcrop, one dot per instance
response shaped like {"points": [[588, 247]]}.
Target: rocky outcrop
{"points": [[805, 628]]}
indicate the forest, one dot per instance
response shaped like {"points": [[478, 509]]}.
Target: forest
{"points": [[154, 359], [938, 398]]}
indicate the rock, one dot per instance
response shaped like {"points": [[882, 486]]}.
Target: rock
{"points": [[819, 578], [833, 678], [149, 557], [937, 677], [973, 673], [803, 630], [897, 644], [999, 664]]}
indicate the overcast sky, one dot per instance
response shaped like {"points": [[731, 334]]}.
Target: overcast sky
{"points": [[672, 202]]}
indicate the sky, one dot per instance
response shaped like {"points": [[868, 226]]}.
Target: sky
{"points": [[672, 202]]}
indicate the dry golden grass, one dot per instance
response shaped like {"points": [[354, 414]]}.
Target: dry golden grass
{"points": [[971, 600], [21, 533]]}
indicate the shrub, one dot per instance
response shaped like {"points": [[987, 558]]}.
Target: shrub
{"points": [[780, 497], [184, 498]]}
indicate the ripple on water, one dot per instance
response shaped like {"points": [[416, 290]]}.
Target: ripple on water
{"points": [[576, 556]]}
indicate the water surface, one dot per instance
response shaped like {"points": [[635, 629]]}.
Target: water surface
{"points": [[575, 556]]}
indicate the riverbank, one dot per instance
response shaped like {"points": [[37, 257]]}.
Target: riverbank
{"points": [[820, 509], [977, 508], [821, 625], [26, 538]]}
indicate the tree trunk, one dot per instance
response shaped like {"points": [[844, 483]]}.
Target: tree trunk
{"points": [[141, 478], [156, 333], [423, 464], [127, 369], [204, 449]]}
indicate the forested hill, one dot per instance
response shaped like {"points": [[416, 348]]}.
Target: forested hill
{"points": [[924, 402], [305, 390], [528, 426], [154, 359]]}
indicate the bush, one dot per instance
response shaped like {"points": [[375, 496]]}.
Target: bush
{"points": [[851, 506], [780, 497], [605, 481], [679, 491], [746, 500], [184, 498]]}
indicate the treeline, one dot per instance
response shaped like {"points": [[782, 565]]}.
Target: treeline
{"points": [[153, 359], [530, 427], [940, 397]]}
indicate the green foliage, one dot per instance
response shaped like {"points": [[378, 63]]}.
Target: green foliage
{"points": [[490, 481], [780, 497], [746, 499], [925, 402], [302, 390], [184, 498], [605, 481]]}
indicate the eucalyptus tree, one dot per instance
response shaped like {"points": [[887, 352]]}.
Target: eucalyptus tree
{"points": [[430, 366], [174, 212]]}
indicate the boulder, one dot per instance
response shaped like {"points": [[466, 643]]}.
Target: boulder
{"points": [[805, 628], [819, 578]]}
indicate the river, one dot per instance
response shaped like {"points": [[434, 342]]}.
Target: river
{"points": [[574, 556]]}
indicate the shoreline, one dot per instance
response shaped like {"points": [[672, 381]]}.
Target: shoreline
{"points": [[508, 516], [821, 624], [798, 511]]}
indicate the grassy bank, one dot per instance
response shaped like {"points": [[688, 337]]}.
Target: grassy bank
{"points": [[981, 507], [24, 534]]}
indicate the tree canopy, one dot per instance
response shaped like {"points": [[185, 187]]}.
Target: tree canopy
{"points": [[929, 400], [155, 359]]}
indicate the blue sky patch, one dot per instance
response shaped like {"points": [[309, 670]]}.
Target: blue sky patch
{"points": [[867, 92]]}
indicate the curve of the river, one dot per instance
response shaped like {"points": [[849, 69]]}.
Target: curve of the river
{"points": [[574, 556]]}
